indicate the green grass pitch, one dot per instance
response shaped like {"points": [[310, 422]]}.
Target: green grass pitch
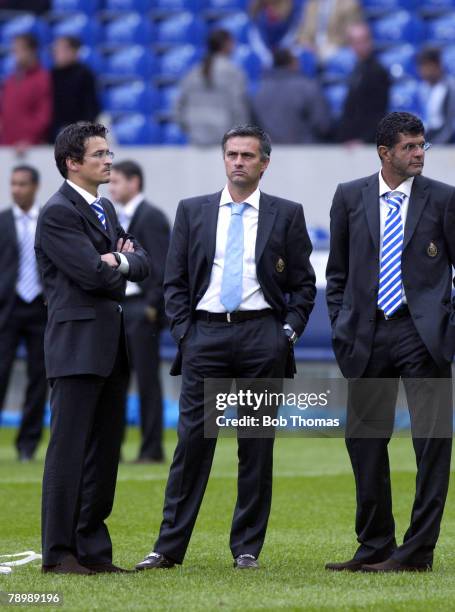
{"points": [[311, 523]]}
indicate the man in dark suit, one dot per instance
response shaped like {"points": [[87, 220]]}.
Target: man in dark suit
{"points": [[22, 309], [85, 258], [389, 279], [144, 301], [239, 289]]}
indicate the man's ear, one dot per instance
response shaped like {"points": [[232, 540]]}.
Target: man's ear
{"points": [[72, 165], [383, 152]]}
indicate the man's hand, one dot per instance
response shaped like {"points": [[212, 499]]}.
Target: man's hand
{"points": [[125, 246], [110, 260], [151, 314]]}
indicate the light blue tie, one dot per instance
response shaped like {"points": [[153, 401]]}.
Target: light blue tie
{"points": [[99, 210], [390, 293], [28, 283], [232, 282]]}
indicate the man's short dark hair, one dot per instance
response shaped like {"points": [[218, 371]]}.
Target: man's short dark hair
{"points": [[283, 58], [71, 142], [394, 124], [130, 169], [250, 131], [430, 55], [34, 174], [29, 39], [73, 41]]}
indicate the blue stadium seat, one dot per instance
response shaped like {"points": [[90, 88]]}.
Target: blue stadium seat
{"points": [[441, 31], [7, 64], [131, 61], [136, 129], [78, 6], [238, 24], [91, 57], [245, 58], [171, 134], [319, 236], [339, 66], [183, 28], [134, 97], [176, 62], [25, 24], [168, 96], [130, 28], [399, 61], [399, 27], [382, 7], [221, 6], [307, 61], [87, 29], [336, 95], [448, 59], [139, 6], [167, 7], [435, 7], [404, 97]]}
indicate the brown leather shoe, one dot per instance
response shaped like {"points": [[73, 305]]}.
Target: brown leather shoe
{"points": [[353, 565], [68, 565], [395, 566], [107, 568]]}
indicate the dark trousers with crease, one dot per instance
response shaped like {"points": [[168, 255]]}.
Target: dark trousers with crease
{"points": [[80, 472], [27, 322], [251, 349], [398, 351]]}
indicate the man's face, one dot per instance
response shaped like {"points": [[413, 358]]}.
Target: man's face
{"points": [[95, 168], [406, 157], [242, 159], [359, 39], [23, 189], [121, 188], [430, 72], [23, 55], [64, 54]]}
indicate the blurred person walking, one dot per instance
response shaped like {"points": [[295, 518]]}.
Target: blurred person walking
{"points": [[22, 309]]}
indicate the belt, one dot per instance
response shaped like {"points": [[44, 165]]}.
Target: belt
{"points": [[402, 312], [232, 317]]}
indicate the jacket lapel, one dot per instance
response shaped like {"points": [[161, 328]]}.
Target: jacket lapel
{"points": [[83, 207], [417, 201], [209, 211], [370, 200], [266, 219], [135, 221], [11, 230]]}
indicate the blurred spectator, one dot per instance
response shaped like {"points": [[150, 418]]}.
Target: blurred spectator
{"points": [[274, 20], [144, 302], [437, 97], [22, 309], [26, 105], [74, 85], [212, 96], [324, 25], [299, 112], [368, 95], [30, 6]]}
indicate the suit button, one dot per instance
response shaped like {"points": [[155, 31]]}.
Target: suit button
{"points": [[119, 308]]}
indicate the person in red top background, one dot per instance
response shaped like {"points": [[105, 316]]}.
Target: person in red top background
{"points": [[26, 101]]}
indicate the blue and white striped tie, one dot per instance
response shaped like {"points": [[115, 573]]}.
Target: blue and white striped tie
{"points": [[99, 210], [28, 282], [390, 293]]}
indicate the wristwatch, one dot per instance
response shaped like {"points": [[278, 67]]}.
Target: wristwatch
{"points": [[290, 333]]}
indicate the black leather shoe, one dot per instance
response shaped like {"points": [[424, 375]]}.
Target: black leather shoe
{"points": [[155, 561], [68, 565], [107, 568], [246, 562], [353, 565], [395, 566]]}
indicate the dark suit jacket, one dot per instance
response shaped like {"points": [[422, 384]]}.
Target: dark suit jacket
{"points": [[281, 234], [353, 268], [150, 226], [83, 292]]}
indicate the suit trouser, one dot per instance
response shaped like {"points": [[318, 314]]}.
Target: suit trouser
{"points": [[251, 349], [397, 352], [27, 322], [144, 348], [80, 471]]}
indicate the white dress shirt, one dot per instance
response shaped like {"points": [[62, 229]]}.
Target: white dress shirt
{"points": [[405, 187], [252, 296], [125, 214], [124, 266], [32, 218]]}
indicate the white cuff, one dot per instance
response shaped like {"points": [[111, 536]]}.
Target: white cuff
{"points": [[124, 266]]}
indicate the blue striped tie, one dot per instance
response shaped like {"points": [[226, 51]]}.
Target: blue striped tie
{"points": [[28, 283], [390, 293], [99, 210], [232, 281]]}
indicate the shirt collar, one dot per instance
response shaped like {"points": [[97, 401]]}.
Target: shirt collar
{"points": [[88, 197], [130, 207], [405, 187], [252, 200], [32, 213]]}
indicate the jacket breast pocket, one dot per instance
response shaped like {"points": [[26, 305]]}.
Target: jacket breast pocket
{"points": [[80, 313]]}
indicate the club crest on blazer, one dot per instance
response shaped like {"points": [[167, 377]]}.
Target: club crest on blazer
{"points": [[432, 250], [280, 265]]}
